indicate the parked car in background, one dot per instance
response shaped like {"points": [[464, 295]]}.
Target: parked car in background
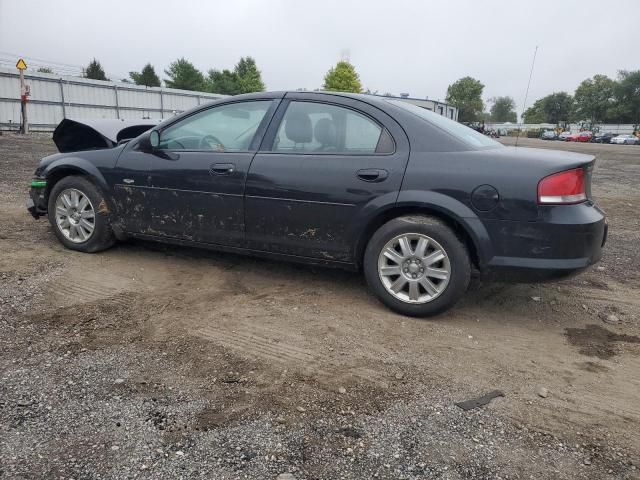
{"points": [[585, 136], [490, 132], [411, 198], [563, 136], [625, 140], [580, 137], [549, 135], [604, 137]]}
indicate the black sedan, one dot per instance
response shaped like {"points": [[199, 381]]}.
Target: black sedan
{"points": [[413, 199], [603, 137]]}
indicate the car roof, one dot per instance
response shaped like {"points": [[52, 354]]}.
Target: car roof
{"points": [[369, 98]]}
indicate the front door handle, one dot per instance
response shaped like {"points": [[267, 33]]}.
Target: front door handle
{"points": [[222, 168], [372, 174]]}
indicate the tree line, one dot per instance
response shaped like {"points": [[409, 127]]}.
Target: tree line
{"points": [[244, 78], [599, 99], [182, 74], [466, 95], [596, 100]]}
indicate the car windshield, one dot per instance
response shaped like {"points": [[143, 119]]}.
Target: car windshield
{"points": [[461, 132]]}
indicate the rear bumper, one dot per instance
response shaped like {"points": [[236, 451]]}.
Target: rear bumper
{"points": [[564, 241]]}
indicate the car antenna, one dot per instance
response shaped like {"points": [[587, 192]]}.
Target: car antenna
{"points": [[526, 94]]}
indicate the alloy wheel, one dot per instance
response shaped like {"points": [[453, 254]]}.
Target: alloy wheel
{"points": [[414, 268], [75, 216]]}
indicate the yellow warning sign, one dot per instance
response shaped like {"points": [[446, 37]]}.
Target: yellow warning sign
{"points": [[21, 65]]}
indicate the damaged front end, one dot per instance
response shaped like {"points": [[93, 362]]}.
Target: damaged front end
{"points": [[37, 202], [77, 135]]}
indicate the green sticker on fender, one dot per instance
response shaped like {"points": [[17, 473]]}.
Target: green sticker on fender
{"points": [[38, 183]]}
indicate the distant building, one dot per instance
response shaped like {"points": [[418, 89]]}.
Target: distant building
{"points": [[441, 108]]}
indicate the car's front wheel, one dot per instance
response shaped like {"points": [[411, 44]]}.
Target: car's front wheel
{"points": [[79, 215], [416, 265]]}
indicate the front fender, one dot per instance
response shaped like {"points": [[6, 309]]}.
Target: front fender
{"points": [[449, 207], [76, 165]]}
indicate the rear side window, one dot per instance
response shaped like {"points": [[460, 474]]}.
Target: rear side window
{"points": [[458, 130], [311, 127]]}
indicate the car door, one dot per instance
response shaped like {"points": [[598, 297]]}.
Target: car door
{"points": [[326, 162], [197, 173], [131, 180]]}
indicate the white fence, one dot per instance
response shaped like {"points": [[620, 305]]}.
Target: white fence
{"points": [[54, 98]]}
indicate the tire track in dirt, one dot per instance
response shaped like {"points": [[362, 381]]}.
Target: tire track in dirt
{"points": [[68, 290], [261, 344]]}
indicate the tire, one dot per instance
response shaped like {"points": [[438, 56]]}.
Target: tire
{"points": [[75, 233], [378, 267]]}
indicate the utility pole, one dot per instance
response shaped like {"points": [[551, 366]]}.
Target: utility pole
{"points": [[24, 94]]}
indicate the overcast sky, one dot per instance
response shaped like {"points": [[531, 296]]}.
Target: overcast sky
{"points": [[418, 47]]}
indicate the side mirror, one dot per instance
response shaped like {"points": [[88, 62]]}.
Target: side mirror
{"points": [[154, 139], [149, 141]]}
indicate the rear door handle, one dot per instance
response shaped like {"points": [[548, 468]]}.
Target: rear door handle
{"points": [[372, 174], [222, 168]]}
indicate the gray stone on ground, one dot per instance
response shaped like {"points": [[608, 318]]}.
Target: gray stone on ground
{"points": [[611, 319], [285, 476]]}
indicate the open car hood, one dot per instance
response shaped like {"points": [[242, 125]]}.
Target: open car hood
{"points": [[75, 135]]}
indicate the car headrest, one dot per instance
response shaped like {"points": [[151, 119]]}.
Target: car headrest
{"points": [[325, 133], [298, 127]]}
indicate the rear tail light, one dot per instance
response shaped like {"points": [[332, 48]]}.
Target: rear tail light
{"points": [[563, 188]]}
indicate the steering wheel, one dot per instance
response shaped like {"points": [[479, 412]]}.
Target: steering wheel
{"points": [[207, 140], [179, 144]]}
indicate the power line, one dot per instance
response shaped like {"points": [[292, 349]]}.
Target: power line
{"points": [[35, 60], [9, 59], [10, 63], [69, 70]]}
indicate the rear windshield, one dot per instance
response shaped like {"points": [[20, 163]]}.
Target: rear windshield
{"points": [[461, 132]]}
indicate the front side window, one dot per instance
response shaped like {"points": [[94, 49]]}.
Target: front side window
{"points": [[311, 127], [227, 128]]}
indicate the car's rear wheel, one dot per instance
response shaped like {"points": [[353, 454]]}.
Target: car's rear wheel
{"points": [[416, 265], [79, 215]]}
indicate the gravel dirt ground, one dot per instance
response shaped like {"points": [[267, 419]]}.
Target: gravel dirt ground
{"points": [[156, 362]]}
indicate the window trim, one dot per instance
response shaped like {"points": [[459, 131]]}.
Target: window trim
{"points": [[255, 141], [270, 138]]}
